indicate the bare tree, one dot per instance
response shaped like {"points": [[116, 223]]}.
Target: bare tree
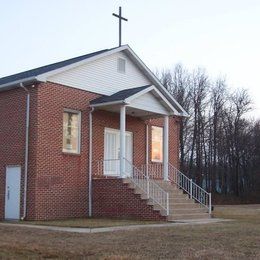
{"points": [[219, 147]]}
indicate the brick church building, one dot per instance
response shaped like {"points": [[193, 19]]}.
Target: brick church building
{"points": [[92, 136]]}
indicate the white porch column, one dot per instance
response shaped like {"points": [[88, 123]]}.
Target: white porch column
{"points": [[122, 140], [166, 148]]}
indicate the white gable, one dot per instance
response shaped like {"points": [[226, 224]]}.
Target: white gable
{"points": [[102, 76], [149, 102]]}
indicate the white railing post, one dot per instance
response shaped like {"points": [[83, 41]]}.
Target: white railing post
{"points": [[167, 203], [191, 188], [209, 203], [148, 186]]}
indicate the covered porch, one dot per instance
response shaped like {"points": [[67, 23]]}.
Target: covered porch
{"points": [[143, 103]]}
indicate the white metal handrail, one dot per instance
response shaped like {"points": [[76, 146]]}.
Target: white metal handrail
{"points": [[141, 180], [149, 187], [155, 170], [189, 186]]}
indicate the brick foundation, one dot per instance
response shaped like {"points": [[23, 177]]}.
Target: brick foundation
{"points": [[114, 199]]}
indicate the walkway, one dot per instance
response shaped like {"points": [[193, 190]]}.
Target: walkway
{"points": [[117, 228]]}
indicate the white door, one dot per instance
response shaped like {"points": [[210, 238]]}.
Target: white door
{"points": [[12, 192], [112, 152]]}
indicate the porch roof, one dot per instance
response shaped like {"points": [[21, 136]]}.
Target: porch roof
{"points": [[145, 102], [118, 96]]}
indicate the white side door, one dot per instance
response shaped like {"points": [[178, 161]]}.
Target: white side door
{"points": [[13, 192]]}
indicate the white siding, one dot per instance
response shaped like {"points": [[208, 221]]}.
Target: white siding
{"points": [[150, 103], [101, 76]]}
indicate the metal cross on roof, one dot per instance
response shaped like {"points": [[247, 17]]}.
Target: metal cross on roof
{"points": [[120, 17]]}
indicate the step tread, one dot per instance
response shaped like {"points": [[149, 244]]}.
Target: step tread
{"points": [[180, 205], [188, 214]]}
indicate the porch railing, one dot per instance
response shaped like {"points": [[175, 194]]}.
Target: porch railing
{"points": [[194, 191], [190, 187], [149, 187], [110, 167], [154, 171], [140, 180]]}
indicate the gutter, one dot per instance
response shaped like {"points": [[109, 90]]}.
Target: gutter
{"points": [[26, 150], [17, 83], [110, 103], [90, 164]]}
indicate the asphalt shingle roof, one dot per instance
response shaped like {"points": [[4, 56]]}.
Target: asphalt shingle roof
{"points": [[121, 95], [37, 71]]}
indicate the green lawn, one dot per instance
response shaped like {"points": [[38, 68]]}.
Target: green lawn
{"points": [[237, 239]]}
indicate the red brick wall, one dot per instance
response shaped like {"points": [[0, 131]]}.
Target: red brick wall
{"points": [[62, 179], [58, 182], [113, 198], [12, 140]]}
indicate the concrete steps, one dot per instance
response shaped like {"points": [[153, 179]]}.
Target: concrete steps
{"points": [[181, 207]]}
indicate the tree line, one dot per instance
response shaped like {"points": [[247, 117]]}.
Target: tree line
{"points": [[219, 144]]}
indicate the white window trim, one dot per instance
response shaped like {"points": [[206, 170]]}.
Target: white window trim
{"points": [[118, 70], [155, 160], [79, 133]]}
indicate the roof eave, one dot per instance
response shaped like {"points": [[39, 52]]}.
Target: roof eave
{"points": [[102, 104], [16, 83]]}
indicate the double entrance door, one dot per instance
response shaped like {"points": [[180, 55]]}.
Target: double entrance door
{"points": [[112, 152]]}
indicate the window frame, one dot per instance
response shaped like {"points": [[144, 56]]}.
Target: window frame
{"points": [[118, 65], [64, 150], [152, 159]]}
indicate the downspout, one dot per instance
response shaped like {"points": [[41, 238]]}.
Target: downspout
{"points": [[147, 148], [90, 165], [26, 151]]}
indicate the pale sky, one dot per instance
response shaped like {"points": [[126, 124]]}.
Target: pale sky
{"points": [[222, 36]]}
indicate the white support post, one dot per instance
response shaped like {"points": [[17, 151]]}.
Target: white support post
{"points": [[210, 207], [166, 148], [147, 160], [122, 140], [167, 203], [147, 149], [191, 188]]}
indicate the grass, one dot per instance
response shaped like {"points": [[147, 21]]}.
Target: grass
{"points": [[237, 239]]}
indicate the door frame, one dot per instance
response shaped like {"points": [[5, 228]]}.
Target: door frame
{"points": [[117, 131], [20, 182]]}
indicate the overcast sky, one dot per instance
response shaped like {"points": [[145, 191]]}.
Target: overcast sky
{"points": [[222, 36]]}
